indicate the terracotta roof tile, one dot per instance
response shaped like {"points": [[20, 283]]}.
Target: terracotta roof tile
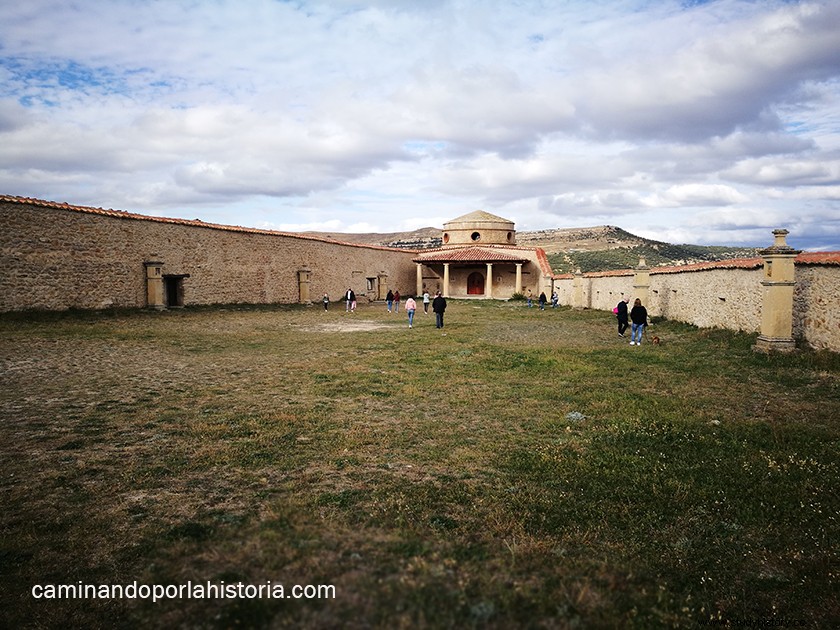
{"points": [[818, 258], [734, 263], [804, 258], [468, 254]]}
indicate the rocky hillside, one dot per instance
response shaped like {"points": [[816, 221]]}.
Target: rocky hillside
{"points": [[600, 248]]}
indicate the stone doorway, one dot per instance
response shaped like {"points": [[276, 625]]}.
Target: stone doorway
{"points": [[475, 284], [173, 287]]}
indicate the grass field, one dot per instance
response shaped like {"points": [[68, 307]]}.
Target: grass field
{"points": [[519, 469]]}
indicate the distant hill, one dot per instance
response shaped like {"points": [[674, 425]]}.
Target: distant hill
{"points": [[424, 238], [600, 248]]}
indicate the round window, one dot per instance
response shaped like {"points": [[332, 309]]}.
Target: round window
{"points": [[445, 238], [476, 236]]}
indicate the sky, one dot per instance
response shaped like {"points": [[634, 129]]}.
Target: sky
{"points": [[704, 122]]}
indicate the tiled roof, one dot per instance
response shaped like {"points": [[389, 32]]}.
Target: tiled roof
{"points": [[468, 254], [121, 214], [734, 263], [479, 216], [818, 258], [804, 258], [545, 266]]}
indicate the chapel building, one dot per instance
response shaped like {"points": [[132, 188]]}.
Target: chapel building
{"points": [[479, 258]]}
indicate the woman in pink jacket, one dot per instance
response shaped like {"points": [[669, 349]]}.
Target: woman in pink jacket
{"points": [[410, 307]]}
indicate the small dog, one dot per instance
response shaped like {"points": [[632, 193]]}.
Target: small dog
{"points": [[654, 340]]}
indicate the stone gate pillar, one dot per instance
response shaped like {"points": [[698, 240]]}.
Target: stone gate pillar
{"points": [[776, 333], [304, 280], [577, 290], [381, 285], [641, 283], [154, 285]]}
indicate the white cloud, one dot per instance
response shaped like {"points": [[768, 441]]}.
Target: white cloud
{"points": [[382, 114], [694, 195]]}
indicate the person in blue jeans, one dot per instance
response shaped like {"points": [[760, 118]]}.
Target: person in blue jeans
{"points": [[638, 321], [410, 307]]}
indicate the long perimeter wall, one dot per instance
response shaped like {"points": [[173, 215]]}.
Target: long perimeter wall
{"points": [[58, 257], [54, 256], [725, 294]]}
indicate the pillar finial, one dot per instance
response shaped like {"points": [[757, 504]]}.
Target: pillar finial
{"points": [[779, 245]]}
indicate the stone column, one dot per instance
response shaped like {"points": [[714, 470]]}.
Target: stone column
{"points": [[154, 285], [382, 285], [488, 288], [419, 280], [445, 279], [304, 279], [577, 289], [641, 284], [519, 278], [776, 333]]}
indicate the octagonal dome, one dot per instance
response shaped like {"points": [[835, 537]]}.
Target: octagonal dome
{"points": [[479, 227]]}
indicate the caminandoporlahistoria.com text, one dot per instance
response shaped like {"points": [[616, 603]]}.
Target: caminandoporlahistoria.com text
{"points": [[190, 590]]}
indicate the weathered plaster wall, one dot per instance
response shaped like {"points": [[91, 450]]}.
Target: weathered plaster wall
{"points": [[816, 305], [729, 298], [717, 298], [53, 258]]}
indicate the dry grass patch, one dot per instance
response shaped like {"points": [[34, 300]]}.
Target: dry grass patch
{"points": [[519, 469]]}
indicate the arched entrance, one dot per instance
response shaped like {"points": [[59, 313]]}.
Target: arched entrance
{"points": [[475, 284]]}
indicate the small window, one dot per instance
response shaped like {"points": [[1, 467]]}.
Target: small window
{"points": [[475, 236], [509, 236], [445, 238]]}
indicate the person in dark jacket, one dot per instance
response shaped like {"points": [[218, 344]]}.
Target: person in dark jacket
{"points": [[623, 316], [389, 300], [638, 319], [439, 306], [542, 301]]}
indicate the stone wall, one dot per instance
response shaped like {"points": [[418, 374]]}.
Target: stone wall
{"points": [[816, 305], [720, 295], [57, 258]]}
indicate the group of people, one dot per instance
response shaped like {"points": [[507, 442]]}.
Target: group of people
{"points": [[392, 300], [636, 318], [349, 301], [543, 300]]}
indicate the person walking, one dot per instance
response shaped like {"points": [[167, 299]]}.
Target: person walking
{"points": [[623, 315], [426, 301], [389, 300], [349, 300], [638, 319], [530, 298], [554, 299], [326, 300], [542, 301], [439, 307], [410, 307], [396, 301]]}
